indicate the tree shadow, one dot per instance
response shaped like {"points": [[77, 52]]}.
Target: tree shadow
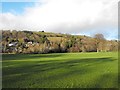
{"points": [[56, 64], [28, 56], [72, 67]]}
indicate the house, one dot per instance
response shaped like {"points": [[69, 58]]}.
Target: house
{"points": [[30, 42], [12, 44]]}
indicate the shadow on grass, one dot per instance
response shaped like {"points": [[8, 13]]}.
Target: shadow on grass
{"points": [[74, 67], [56, 64], [28, 56]]}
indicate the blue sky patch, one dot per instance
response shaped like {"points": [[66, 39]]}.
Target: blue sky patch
{"points": [[15, 7]]}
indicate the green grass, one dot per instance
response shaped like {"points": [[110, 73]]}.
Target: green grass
{"points": [[61, 70]]}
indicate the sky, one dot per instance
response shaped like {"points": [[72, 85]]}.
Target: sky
{"points": [[78, 17], [15, 7]]}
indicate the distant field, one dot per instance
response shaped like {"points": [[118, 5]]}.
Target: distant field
{"points": [[61, 70], [56, 39]]}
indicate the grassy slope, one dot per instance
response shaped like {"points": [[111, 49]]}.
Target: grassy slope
{"points": [[91, 70]]}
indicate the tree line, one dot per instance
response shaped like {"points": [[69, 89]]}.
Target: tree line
{"points": [[44, 42]]}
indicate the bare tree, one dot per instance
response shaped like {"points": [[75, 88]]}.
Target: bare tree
{"points": [[100, 42]]}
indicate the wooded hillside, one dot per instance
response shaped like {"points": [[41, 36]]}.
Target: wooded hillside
{"points": [[43, 42]]}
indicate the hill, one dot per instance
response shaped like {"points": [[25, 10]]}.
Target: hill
{"points": [[47, 42]]}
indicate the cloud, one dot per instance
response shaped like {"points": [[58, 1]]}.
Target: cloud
{"points": [[65, 16]]}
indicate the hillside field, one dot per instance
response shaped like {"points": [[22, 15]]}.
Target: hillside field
{"points": [[60, 70]]}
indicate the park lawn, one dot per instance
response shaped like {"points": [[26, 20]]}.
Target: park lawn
{"points": [[60, 70]]}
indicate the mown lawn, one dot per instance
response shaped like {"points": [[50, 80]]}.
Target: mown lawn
{"points": [[61, 70]]}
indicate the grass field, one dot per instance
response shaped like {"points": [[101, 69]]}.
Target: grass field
{"points": [[61, 70]]}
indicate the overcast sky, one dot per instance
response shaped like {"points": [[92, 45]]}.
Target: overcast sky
{"points": [[62, 16]]}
